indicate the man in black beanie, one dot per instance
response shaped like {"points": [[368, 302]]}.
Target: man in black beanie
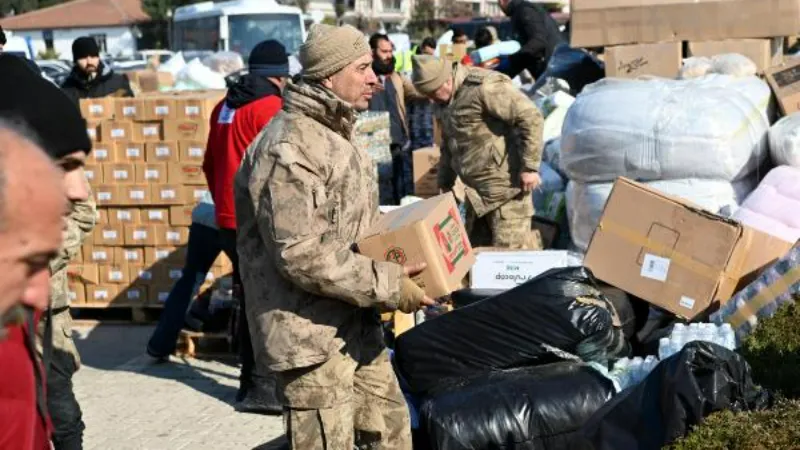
{"points": [[90, 78], [28, 98]]}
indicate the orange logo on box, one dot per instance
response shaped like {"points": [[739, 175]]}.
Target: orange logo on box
{"points": [[188, 126], [396, 255], [452, 241]]}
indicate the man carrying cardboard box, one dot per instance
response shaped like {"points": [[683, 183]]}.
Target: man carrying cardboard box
{"points": [[492, 140], [304, 195]]}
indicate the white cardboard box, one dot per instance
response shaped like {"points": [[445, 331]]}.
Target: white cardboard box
{"points": [[506, 270]]}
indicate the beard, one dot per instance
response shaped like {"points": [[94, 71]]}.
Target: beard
{"points": [[383, 67]]}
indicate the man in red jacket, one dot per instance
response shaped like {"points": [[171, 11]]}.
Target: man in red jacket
{"points": [[235, 123]]}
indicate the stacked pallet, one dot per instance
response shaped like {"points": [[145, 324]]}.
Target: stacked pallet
{"points": [[146, 174]]}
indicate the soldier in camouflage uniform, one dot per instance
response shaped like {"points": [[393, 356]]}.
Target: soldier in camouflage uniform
{"points": [[61, 132], [304, 195], [492, 139]]}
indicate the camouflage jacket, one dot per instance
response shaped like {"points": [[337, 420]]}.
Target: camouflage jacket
{"points": [[79, 224], [304, 195], [490, 133]]}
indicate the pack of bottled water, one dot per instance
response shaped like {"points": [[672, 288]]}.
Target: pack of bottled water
{"points": [[682, 334], [629, 372]]}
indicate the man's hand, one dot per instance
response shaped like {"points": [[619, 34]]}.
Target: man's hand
{"points": [[529, 181], [412, 297]]}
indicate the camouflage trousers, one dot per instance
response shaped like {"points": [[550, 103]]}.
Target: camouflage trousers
{"points": [[343, 402], [64, 409], [509, 226]]}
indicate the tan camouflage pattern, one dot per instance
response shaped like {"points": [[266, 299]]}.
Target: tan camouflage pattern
{"points": [[348, 399], [304, 195], [509, 226], [79, 223], [490, 133]]}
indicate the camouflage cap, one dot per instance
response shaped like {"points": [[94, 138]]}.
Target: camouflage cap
{"points": [[428, 73]]}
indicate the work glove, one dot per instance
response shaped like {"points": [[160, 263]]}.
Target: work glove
{"points": [[411, 296]]}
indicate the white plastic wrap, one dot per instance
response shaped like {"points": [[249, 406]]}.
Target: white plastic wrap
{"points": [[173, 65], [198, 76], [225, 63], [714, 127], [784, 141], [732, 64], [548, 198], [586, 201]]}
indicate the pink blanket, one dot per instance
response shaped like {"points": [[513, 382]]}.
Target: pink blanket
{"points": [[774, 207]]}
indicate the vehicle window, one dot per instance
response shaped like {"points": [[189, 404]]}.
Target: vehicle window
{"points": [[197, 34], [247, 30]]}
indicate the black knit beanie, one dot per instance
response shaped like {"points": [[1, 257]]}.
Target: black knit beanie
{"points": [[83, 47], [269, 59], [40, 105]]}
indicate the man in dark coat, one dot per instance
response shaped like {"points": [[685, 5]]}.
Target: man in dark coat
{"points": [[90, 78], [536, 31]]}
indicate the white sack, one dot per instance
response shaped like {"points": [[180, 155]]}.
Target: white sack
{"points": [[784, 141]]}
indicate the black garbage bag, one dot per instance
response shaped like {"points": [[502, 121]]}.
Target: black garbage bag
{"points": [[683, 389], [532, 408], [575, 66], [558, 315]]}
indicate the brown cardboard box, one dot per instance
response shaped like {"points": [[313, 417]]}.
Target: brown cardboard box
{"points": [[155, 216], [107, 194], [137, 194], [94, 174], [129, 256], [108, 235], [102, 216], [632, 61], [453, 52], [141, 274], [186, 173], [671, 253], [167, 274], [597, 23], [116, 130], [198, 107], [160, 108], [101, 153], [192, 151], [105, 293], [148, 131], [153, 255], [186, 130], [98, 254], [84, 273], [124, 216], [158, 293], [785, 83], [764, 52], [97, 108], [180, 216], [76, 292], [114, 274], [118, 173], [223, 262], [427, 231], [162, 152], [128, 109], [171, 236], [134, 294], [151, 172], [426, 170], [193, 194], [168, 194], [130, 152], [93, 130], [140, 235]]}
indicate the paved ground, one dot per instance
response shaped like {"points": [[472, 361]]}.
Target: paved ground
{"points": [[129, 402]]}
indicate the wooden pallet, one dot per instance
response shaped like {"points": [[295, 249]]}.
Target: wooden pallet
{"points": [[115, 312], [193, 343]]}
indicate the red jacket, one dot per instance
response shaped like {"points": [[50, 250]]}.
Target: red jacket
{"points": [[235, 123], [22, 426]]}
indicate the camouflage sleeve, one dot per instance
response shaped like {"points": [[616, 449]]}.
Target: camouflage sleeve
{"points": [[79, 223], [297, 215], [507, 103]]}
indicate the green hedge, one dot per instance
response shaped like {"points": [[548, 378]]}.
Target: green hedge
{"points": [[773, 352]]}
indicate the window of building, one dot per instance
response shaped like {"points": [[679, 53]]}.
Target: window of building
{"points": [[101, 42], [392, 5]]}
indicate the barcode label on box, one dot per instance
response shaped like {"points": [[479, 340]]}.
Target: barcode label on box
{"points": [[150, 131], [162, 296], [199, 193], [99, 256], [117, 133], [687, 302], [101, 295], [89, 174], [130, 255], [129, 111], [192, 110], [115, 275], [134, 294], [175, 273], [96, 109], [137, 195], [151, 174], [145, 275], [139, 235], [162, 110], [133, 152], [161, 254], [162, 151], [109, 234], [173, 236], [120, 174], [168, 194], [100, 154], [156, 215], [124, 215], [196, 152], [655, 267], [91, 132], [104, 196]]}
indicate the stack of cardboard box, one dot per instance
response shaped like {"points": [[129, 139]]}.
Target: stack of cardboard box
{"points": [[651, 37], [146, 174]]}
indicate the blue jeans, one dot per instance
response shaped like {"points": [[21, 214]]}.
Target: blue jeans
{"points": [[203, 248]]}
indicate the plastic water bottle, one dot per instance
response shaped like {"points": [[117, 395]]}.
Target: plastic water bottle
{"points": [[493, 51], [664, 350], [728, 336]]}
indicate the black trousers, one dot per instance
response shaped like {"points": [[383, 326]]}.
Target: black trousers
{"points": [[227, 239]]}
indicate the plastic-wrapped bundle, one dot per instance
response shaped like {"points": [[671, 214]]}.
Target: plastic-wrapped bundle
{"points": [[714, 127], [548, 198], [586, 201], [732, 64], [540, 407], [225, 63], [196, 75], [558, 315], [784, 141], [774, 207]]}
